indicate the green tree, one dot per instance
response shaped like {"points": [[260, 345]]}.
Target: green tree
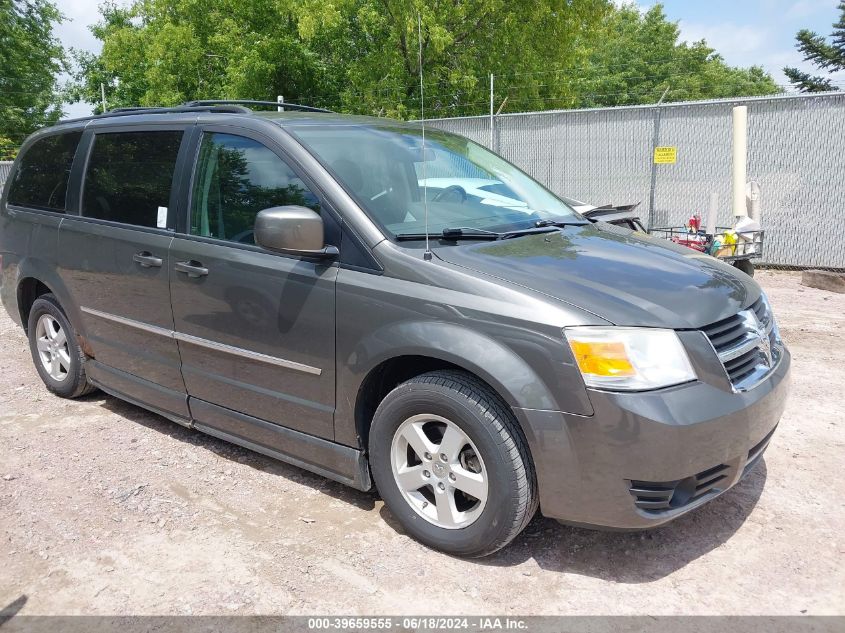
{"points": [[30, 60], [378, 42], [827, 56], [355, 55], [8, 149], [164, 52], [637, 57], [362, 56]]}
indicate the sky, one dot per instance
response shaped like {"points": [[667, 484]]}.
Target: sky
{"points": [[744, 32]]}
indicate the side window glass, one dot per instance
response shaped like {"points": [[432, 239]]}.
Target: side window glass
{"points": [[236, 177], [129, 177], [42, 176]]}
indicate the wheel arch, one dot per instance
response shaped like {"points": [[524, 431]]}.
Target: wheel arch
{"points": [[410, 349], [36, 276], [29, 289]]}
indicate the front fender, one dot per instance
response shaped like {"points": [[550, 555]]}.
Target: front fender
{"points": [[535, 405], [481, 355], [491, 359]]}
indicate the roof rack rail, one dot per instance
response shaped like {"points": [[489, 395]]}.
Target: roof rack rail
{"points": [[249, 102], [224, 106], [127, 111]]}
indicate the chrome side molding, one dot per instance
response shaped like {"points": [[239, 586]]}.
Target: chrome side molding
{"points": [[202, 342]]}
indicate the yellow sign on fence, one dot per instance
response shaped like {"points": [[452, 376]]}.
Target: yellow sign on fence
{"points": [[665, 155]]}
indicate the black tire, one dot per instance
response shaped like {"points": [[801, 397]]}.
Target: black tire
{"points": [[490, 425], [745, 266], [75, 383]]}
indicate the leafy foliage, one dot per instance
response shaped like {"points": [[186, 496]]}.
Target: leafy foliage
{"points": [[8, 149], [362, 56], [827, 56], [462, 43], [165, 52], [30, 60], [637, 58]]}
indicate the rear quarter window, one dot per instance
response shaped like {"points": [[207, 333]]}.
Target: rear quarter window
{"points": [[41, 179]]}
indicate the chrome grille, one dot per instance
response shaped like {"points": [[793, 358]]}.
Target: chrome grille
{"points": [[747, 343]]}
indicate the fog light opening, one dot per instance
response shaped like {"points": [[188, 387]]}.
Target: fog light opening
{"points": [[684, 491]]}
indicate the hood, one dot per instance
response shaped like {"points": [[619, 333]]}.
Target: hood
{"points": [[624, 277]]}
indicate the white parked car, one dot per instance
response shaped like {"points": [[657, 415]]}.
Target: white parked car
{"points": [[493, 192]]}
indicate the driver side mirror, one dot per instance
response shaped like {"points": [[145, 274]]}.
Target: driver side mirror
{"points": [[294, 230]]}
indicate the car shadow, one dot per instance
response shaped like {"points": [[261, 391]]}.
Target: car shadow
{"points": [[232, 452], [624, 557], [635, 557]]}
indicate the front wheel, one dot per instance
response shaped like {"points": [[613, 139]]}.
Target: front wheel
{"points": [[451, 464], [745, 266]]}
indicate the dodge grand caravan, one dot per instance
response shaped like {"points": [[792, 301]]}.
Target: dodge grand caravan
{"points": [[322, 289]]}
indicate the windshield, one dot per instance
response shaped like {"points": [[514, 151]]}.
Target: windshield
{"points": [[465, 185]]}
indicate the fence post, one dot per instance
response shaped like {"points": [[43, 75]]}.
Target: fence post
{"points": [[491, 112], [655, 139]]}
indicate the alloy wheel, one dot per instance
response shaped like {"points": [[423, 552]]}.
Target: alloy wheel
{"points": [[53, 350], [439, 471]]}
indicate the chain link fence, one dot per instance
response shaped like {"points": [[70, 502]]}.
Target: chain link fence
{"points": [[796, 152], [5, 168]]}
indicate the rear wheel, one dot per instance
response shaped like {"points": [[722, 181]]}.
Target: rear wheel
{"points": [[451, 464], [745, 266], [55, 350]]}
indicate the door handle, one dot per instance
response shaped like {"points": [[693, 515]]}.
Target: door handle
{"points": [[191, 268], [147, 259]]}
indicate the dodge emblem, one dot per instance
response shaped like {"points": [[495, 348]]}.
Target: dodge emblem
{"points": [[765, 345]]}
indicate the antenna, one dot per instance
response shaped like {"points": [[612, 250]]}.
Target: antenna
{"points": [[427, 254]]}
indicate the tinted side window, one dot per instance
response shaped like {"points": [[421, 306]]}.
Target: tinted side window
{"points": [[236, 177], [130, 175], [41, 179]]}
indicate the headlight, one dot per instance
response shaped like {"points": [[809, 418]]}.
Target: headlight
{"points": [[771, 315], [629, 358]]}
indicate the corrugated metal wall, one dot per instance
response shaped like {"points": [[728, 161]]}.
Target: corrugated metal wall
{"points": [[796, 151]]}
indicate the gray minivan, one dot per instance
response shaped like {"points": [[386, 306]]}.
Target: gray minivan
{"points": [[329, 291]]}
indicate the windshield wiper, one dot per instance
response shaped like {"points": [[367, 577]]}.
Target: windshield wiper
{"points": [[542, 226], [467, 233], [458, 233], [559, 223]]}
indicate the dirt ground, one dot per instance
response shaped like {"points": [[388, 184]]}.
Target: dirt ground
{"points": [[108, 509]]}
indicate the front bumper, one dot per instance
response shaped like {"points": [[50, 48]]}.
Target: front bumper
{"points": [[645, 458]]}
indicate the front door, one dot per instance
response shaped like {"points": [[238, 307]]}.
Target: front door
{"points": [[113, 258], [256, 330]]}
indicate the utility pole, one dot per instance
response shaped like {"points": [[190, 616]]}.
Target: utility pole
{"points": [[491, 111], [280, 99], [103, 95]]}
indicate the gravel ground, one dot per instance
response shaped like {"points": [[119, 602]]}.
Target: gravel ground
{"points": [[108, 509]]}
